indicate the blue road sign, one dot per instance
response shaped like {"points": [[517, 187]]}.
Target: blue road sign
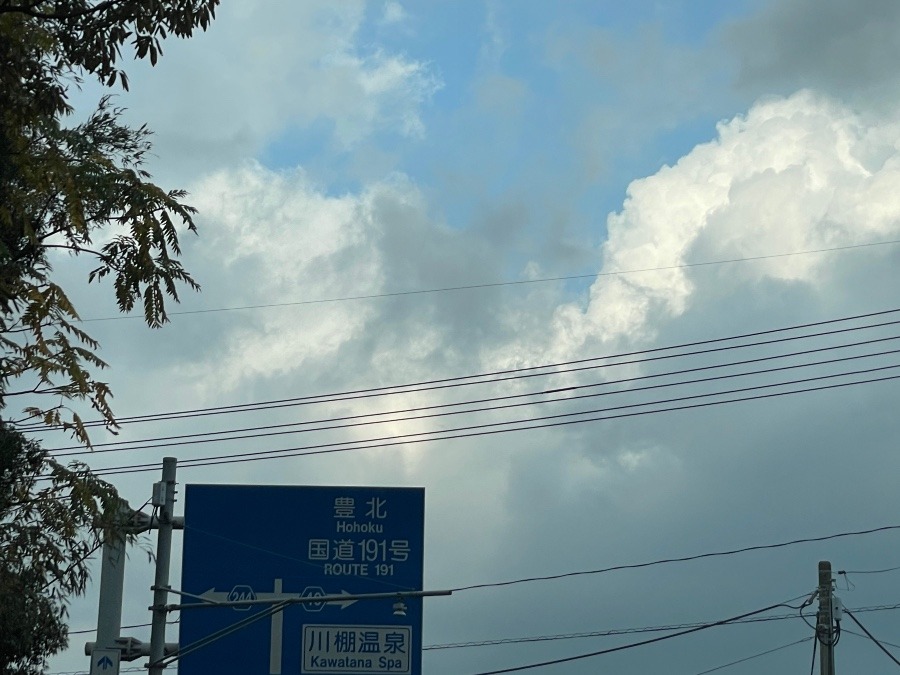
{"points": [[283, 542], [105, 662]]}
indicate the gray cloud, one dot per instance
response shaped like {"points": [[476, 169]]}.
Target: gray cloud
{"points": [[840, 47], [795, 172]]}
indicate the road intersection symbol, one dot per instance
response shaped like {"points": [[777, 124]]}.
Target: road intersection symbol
{"points": [[313, 592]]}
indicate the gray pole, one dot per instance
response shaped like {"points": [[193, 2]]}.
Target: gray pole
{"points": [[163, 553], [825, 620], [112, 579]]}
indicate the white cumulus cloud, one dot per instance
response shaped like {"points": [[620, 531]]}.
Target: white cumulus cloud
{"points": [[277, 238], [793, 174]]}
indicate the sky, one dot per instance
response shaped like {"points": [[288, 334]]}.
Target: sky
{"points": [[393, 193]]}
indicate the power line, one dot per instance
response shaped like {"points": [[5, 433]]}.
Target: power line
{"points": [[688, 558], [497, 284], [85, 631], [567, 636], [594, 634], [877, 608], [499, 375], [872, 637], [866, 637], [478, 430], [82, 558], [616, 568], [664, 561], [882, 571], [756, 656], [497, 642], [328, 448], [633, 645], [350, 421], [625, 631]]}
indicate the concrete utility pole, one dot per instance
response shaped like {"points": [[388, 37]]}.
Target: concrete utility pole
{"points": [[825, 620], [164, 498], [110, 646], [112, 580]]}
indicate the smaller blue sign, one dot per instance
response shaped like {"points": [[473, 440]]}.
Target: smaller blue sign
{"points": [[105, 661]]}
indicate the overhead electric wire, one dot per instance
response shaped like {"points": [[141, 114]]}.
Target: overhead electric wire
{"points": [[631, 631], [664, 561], [877, 608], [613, 632], [632, 645], [481, 430], [872, 637], [84, 631], [495, 284], [688, 558], [516, 373], [571, 636], [866, 637], [604, 570], [805, 620], [80, 559], [882, 571], [755, 656], [289, 428]]}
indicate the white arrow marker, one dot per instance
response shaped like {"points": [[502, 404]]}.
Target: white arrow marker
{"points": [[343, 604], [212, 595]]}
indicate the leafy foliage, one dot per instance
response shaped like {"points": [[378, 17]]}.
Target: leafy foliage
{"points": [[52, 518], [60, 185], [80, 189]]}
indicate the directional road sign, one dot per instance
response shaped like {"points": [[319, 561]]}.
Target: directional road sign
{"points": [[105, 662], [273, 543]]}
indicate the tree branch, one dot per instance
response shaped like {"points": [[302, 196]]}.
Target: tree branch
{"points": [[75, 248], [102, 7], [35, 415]]}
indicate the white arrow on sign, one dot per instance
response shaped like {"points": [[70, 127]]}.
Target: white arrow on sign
{"points": [[344, 604], [212, 595]]}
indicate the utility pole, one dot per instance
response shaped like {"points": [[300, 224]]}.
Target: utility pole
{"points": [[164, 498], [825, 620], [112, 580], [110, 647]]}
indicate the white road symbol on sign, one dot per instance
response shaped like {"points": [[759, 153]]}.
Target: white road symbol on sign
{"points": [[212, 595], [241, 592]]}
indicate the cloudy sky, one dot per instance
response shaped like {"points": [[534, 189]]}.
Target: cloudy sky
{"points": [[393, 193]]}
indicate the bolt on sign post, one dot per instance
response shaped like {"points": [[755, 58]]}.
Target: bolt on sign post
{"points": [[261, 545]]}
